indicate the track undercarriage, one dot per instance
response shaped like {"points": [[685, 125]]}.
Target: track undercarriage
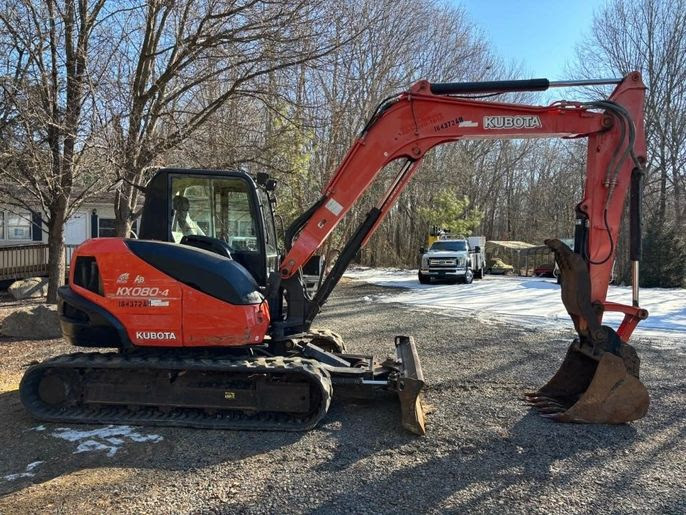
{"points": [[223, 390]]}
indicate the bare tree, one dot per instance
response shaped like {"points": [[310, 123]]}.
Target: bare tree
{"points": [[650, 36], [47, 92], [310, 114], [184, 61]]}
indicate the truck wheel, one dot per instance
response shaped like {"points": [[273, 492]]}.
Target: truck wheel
{"points": [[423, 279], [468, 276]]}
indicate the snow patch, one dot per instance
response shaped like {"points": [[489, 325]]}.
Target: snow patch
{"points": [[531, 302], [29, 472], [108, 439]]}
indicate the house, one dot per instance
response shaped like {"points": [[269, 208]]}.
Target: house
{"points": [[93, 219], [23, 244]]}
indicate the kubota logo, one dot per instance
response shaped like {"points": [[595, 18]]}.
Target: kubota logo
{"points": [[155, 335], [512, 122]]}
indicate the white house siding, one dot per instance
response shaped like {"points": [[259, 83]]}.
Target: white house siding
{"points": [[78, 228]]}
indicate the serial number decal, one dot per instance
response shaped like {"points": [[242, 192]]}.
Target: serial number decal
{"points": [[138, 291], [420, 123], [334, 207], [455, 122], [133, 303]]}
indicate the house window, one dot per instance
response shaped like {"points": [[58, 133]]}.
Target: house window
{"points": [[107, 227], [2, 225], [18, 227]]}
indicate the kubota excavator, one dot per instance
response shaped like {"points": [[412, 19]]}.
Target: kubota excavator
{"points": [[212, 324]]}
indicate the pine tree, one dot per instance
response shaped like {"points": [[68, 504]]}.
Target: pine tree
{"points": [[664, 256], [451, 213]]}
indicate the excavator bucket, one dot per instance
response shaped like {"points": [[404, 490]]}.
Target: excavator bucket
{"points": [[598, 381], [409, 385], [593, 390]]}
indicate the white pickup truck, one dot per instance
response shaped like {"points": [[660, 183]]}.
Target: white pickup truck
{"points": [[453, 258]]}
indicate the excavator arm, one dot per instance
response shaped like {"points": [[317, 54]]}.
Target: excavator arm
{"points": [[406, 126]]}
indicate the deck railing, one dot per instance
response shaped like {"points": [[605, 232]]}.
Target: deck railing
{"points": [[21, 261]]}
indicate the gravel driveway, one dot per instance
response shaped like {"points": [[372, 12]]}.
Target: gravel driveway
{"points": [[484, 450]]}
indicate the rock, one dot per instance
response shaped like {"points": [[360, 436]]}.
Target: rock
{"points": [[32, 323], [28, 288]]}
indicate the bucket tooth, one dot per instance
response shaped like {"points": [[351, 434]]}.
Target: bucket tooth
{"points": [[549, 404], [552, 410]]}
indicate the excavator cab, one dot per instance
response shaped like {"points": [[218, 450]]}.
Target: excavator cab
{"points": [[225, 212]]}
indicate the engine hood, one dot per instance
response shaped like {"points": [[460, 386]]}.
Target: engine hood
{"points": [[446, 253]]}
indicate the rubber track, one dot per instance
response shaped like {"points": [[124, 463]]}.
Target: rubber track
{"points": [[183, 417], [335, 340]]}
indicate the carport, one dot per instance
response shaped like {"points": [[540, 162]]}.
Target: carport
{"points": [[523, 256]]}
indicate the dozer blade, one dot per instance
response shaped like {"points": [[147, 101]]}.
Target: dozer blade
{"points": [[410, 384], [594, 391], [598, 381]]}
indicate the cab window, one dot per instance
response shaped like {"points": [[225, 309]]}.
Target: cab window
{"points": [[218, 207], [269, 229]]}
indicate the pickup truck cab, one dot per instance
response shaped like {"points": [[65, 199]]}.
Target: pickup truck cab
{"points": [[452, 259]]}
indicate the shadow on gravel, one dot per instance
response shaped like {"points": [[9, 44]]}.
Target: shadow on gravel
{"points": [[359, 428], [180, 449], [353, 429], [472, 473]]}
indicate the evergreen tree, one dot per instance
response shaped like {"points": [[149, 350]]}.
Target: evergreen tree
{"points": [[451, 213], [664, 256]]}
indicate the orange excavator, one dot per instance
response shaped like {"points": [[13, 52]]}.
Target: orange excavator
{"points": [[210, 321]]}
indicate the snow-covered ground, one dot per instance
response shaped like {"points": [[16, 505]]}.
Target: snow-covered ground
{"points": [[528, 301]]}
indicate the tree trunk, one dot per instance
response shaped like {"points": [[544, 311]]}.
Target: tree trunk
{"points": [[56, 265], [123, 228], [662, 202], [122, 211]]}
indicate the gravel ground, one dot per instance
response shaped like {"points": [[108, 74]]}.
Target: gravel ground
{"points": [[484, 450]]}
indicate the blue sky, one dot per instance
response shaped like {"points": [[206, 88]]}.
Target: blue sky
{"points": [[538, 34]]}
